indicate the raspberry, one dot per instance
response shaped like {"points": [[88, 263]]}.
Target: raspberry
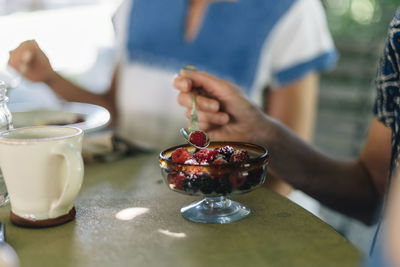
{"points": [[198, 138], [226, 151], [220, 160], [180, 155], [205, 156], [239, 156], [175, 180]]}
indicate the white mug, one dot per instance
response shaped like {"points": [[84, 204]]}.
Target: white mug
{"points": [[43, 172]]}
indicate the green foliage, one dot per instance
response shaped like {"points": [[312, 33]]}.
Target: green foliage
{"points": [[365, 19]]}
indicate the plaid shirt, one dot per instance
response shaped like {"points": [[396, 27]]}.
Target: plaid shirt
{"points": [[387, 105]]}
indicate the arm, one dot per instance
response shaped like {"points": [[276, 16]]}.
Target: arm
{"points": [[295, 106], [349, 186], [32, 63], [392, 232]]}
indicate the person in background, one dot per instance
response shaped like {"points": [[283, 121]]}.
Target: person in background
{"points": [[355, 187], [273, 50]]}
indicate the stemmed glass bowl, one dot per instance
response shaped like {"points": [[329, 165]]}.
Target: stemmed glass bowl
{"points": [[215, 182]]}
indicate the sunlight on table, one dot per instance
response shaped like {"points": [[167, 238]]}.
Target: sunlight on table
{"points": [[130, 213]]}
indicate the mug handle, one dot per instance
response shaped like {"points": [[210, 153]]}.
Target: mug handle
{"points": [[74, 178]]}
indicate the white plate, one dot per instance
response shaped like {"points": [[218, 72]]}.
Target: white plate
{"points": [[88, 117]]}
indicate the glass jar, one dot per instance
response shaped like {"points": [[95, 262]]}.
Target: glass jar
{"points": [[5, 124]]}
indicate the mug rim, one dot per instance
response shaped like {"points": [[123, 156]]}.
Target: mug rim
{"points": [[5, 139]]}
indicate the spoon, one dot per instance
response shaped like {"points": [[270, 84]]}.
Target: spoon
{"points": [[8, 256], [193, 134]]}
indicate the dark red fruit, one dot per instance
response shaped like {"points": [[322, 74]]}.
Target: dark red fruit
{"points": [[180, 155], [175, 180], [198, 138], [237, 179], [239, 156], [204, 155], [220, 160]]}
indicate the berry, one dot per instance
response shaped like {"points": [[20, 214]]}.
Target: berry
{"points": [[239, 156], [205, 156], [223, 186], [207, 185], [219, 160], [180, 155], [192, 184], [226, 151], [237, 179], [198, 138], [175, 180], [212, 154]]}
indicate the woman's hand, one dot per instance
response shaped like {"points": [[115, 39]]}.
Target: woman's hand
{"points": [[224, 111], [31, 62]]}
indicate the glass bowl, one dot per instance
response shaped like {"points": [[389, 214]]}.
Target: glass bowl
{"points": [[215, 182]]}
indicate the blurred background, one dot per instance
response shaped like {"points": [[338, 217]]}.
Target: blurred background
{"points": [[77, 35], [346, 98]]}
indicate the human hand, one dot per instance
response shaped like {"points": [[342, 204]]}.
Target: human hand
{"points": [[224, 111], [31, 62]]}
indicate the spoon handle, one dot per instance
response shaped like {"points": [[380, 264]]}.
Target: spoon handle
{"points": [[193, 115]]}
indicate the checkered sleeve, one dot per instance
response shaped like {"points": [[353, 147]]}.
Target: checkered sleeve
{"points": [[387, 103]]}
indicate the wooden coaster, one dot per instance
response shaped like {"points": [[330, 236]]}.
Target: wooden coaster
{"points": [[19, 221]]}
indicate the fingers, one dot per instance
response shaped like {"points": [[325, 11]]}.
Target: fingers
{"points": [[210, 118], [21, 57], [183, 84], [202, 103], [209, 83]]}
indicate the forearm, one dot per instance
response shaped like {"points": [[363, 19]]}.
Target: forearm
{"points": [[72, 92], [347, 186], [295, 105], [344, 185]]}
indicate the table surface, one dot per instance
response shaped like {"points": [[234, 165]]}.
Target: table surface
{"points": [[127, 216]]}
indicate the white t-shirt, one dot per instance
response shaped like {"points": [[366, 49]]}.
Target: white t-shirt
{"points": [[296, 42]]}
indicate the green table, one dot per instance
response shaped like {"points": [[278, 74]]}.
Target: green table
{"points": [[106, 232]]}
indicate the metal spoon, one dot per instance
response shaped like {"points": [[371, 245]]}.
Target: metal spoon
{"points": [[193, 134], [8, 256]]}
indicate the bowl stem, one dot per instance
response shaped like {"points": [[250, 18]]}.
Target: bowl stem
{"points": [[217, 210]]}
